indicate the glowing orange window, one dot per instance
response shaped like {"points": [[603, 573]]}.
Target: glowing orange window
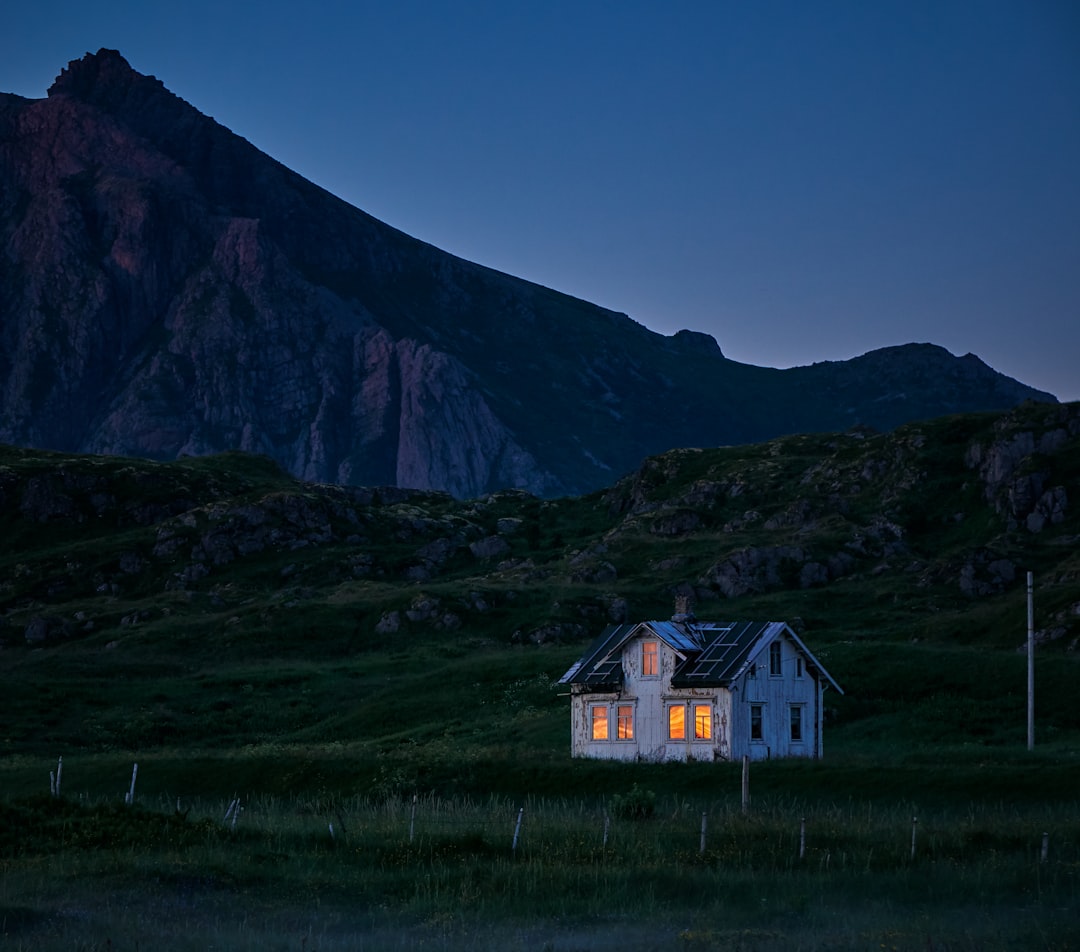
{"points": [[650, 659], [599, 722], [677, 722], [702, 722], [626, 722]]}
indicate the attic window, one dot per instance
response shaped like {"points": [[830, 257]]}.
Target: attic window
{"points": [[650, 666], [775, 660], [798, 667], [599, 722]]}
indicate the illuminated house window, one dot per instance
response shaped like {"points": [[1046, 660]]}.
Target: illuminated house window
{"points": [[755, 722], [702, 722], [650, 666], [796, 723], [626, 722], [599, 722], [774, 660], [676, 722]]}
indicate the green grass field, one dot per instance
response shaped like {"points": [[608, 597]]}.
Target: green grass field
{"points": [[227, 629], [332, 871], [330, 852]]}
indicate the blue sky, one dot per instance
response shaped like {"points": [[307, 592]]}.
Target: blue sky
{"points": [[804, 180]]}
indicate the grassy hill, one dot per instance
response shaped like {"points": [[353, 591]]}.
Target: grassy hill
{"points": [[324, 654], [217, 603]]}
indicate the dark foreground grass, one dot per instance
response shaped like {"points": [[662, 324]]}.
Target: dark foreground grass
{"points": [[927, 777], [337, 872]]}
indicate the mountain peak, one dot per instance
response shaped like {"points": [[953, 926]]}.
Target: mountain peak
{"points": [[103, 68], [168, 289]]}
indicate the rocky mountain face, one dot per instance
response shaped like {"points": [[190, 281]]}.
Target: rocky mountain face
{"points": [[166, 289]]}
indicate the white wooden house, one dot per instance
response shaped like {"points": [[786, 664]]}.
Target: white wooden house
{"points": [[697, 690]]}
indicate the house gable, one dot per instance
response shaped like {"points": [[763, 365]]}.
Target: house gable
{"points": [[608, 659]]}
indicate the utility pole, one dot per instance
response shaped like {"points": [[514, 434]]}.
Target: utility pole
{"points": [[1031, 663]]}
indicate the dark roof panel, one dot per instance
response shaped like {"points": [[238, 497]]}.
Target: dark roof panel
{"points": [[714, 653], [679, 636], [728, 648], [601, 663]]}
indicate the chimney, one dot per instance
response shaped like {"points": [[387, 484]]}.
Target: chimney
{"points": [[684, 611]]}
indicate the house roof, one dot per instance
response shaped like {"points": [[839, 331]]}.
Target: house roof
{"points": [[711, 653]]}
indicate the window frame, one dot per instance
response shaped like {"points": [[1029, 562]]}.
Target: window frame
{"points": [[624, 721], [703, 733], [795, 723], [671, 709], [594, 721], [776, 659], [650, 659], [759, 737]]}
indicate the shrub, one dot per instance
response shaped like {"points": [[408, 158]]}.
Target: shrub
{"points": [[637, 804]]}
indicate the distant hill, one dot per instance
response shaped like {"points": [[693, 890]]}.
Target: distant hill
{"points": [[166, 290], [948, 512], [903, 556]]}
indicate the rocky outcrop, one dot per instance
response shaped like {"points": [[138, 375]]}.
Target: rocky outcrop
{"points": [[985, 574], [1016, 473], [167, 289], [767, 568]]}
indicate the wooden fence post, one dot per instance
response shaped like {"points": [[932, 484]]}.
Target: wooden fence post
{"points": [[130, 798], [412, 818], [914, 830], [1045, 847], [746, 783], [802, 838], [607, 823], [704, 827], [517, 832], [233, 812]]}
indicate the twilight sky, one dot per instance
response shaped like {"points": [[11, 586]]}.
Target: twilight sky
{"points": [[804, 180]]}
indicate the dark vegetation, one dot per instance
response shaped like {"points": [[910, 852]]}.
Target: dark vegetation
{"points": [[325, 654]]}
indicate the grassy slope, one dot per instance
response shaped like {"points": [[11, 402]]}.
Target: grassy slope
{"points": [[280, 646], [267, 678]]}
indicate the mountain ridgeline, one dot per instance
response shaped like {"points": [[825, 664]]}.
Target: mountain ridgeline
{"points": [[166, 289]]}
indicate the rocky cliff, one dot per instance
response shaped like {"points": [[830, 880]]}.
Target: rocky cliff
{"points": [[167, 289]]}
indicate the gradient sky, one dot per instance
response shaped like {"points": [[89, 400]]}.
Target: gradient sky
{"points": [[804, 181]]}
